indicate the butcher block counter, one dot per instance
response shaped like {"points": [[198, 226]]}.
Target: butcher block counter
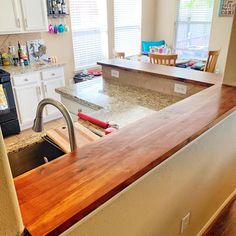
{"points": [[57, 195]]}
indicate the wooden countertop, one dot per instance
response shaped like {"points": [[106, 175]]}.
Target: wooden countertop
{"points": [[56, 195], [170, 72]]}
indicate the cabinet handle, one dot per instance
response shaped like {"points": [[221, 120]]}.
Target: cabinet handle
{"points": [[45, 88], [53, 74], [26, 80], [39, 90], [26, 23], [18, 22]]}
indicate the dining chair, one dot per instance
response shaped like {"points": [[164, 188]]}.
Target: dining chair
{"points": [[211, 61], [163, 59], [119, 55]]}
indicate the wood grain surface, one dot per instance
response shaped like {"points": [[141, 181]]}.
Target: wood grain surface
{"points": [[58, 194], [60, 136], [169, 72]]}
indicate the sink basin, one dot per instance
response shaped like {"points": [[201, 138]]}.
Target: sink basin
{"points": [[32, 157]]}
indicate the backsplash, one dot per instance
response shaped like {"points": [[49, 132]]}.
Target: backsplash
{"points": [[12, 39]]}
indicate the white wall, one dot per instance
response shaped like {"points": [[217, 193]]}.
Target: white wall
{"points": [[220, 36], [10, 217], [197, 179], [165, 20], [220, 33], [230, 70]]}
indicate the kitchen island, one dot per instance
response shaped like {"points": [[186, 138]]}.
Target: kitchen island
{"points": [[59, 194], [109, 101]]}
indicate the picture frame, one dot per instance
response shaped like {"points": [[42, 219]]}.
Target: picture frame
{"points": [[227, 8]]}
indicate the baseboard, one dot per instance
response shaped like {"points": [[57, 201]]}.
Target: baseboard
{"points": [[216, 214]]}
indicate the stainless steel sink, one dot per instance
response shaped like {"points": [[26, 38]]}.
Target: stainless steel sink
{"points": [[33, 156]]}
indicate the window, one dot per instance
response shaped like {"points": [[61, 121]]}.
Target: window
{"points": [[127, 26], [193, 27], [89, 31]]}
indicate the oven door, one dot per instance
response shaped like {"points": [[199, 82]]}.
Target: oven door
{"points": [[7, 106]]}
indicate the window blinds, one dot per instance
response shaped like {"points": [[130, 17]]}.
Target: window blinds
{"points": [[127, 26], [89, 31], [193, 27]]}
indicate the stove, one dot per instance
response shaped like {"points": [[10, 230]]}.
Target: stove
{"points": [[8, 116]]}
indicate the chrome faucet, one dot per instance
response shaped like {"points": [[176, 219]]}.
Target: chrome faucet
{"points": [[38, 121]]}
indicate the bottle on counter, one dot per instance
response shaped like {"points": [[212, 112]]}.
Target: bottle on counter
{"points": [[59, 7], [19, 50], [54, 7], [49, 4], [64, 7], [1, 63]]}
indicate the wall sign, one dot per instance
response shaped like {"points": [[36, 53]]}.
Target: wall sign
{"points": [[227, 7]]}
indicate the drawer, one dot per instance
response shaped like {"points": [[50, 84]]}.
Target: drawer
{"points": [[52, 73], [26, 78]]}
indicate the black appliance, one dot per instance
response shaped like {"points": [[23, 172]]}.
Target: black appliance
{"points": [[8, 117]]}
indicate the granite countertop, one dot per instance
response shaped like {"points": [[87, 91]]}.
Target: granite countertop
{"points": [[116, 103], [16, 70]]}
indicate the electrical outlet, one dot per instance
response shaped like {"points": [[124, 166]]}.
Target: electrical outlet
{"points": [[180, 88], [185, 223], [115, 73]]}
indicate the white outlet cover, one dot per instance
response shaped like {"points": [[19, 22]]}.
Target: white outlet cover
{"points": [[185, 223], [115, 73], [180, 88]]}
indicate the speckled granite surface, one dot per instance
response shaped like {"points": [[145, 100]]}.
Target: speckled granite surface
{"points": [[16, 70], [117, 103], [25, 142]]}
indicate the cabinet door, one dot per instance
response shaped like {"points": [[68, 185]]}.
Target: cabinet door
{"points": [[34, 15], [27, 99], [10, 20], [49, 87]]}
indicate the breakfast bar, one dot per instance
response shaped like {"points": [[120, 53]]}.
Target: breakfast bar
{"points": [[68, 190]]}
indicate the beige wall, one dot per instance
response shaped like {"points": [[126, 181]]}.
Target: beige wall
{"points": [[197, 179], [148, 19], [230, 71], [165, 20], [220, 34], [10, 217]]}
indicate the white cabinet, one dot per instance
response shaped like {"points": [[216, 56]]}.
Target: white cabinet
{"points": [[27, 99], [28, 94], [34, 15], [49, 87], [20, 16], [31, 88], [10, 18]]}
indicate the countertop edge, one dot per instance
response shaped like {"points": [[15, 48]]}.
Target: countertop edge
{"points": [[170, 72]]}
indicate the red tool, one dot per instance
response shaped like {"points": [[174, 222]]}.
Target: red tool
{"points": [[97, 122]]}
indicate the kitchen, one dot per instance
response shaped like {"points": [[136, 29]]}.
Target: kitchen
{"points": [[150, 127]]}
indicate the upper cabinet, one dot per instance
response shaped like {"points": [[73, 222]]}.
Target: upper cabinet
{"points": [[34, 15], [21, 16], [10, 17]]}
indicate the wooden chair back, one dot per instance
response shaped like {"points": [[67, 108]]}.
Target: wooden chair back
{"points": [[162, 59], [211, 61], [119, 55]]}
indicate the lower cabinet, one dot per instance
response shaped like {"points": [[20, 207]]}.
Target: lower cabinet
{"points": [[27, 99], [49, 87], [30, 88]]}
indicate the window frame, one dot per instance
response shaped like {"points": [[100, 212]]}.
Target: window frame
{"points": [[189, 23]]}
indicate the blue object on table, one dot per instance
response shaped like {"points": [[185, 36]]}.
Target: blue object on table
{"points": [[147, 44], [198, 66]]}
